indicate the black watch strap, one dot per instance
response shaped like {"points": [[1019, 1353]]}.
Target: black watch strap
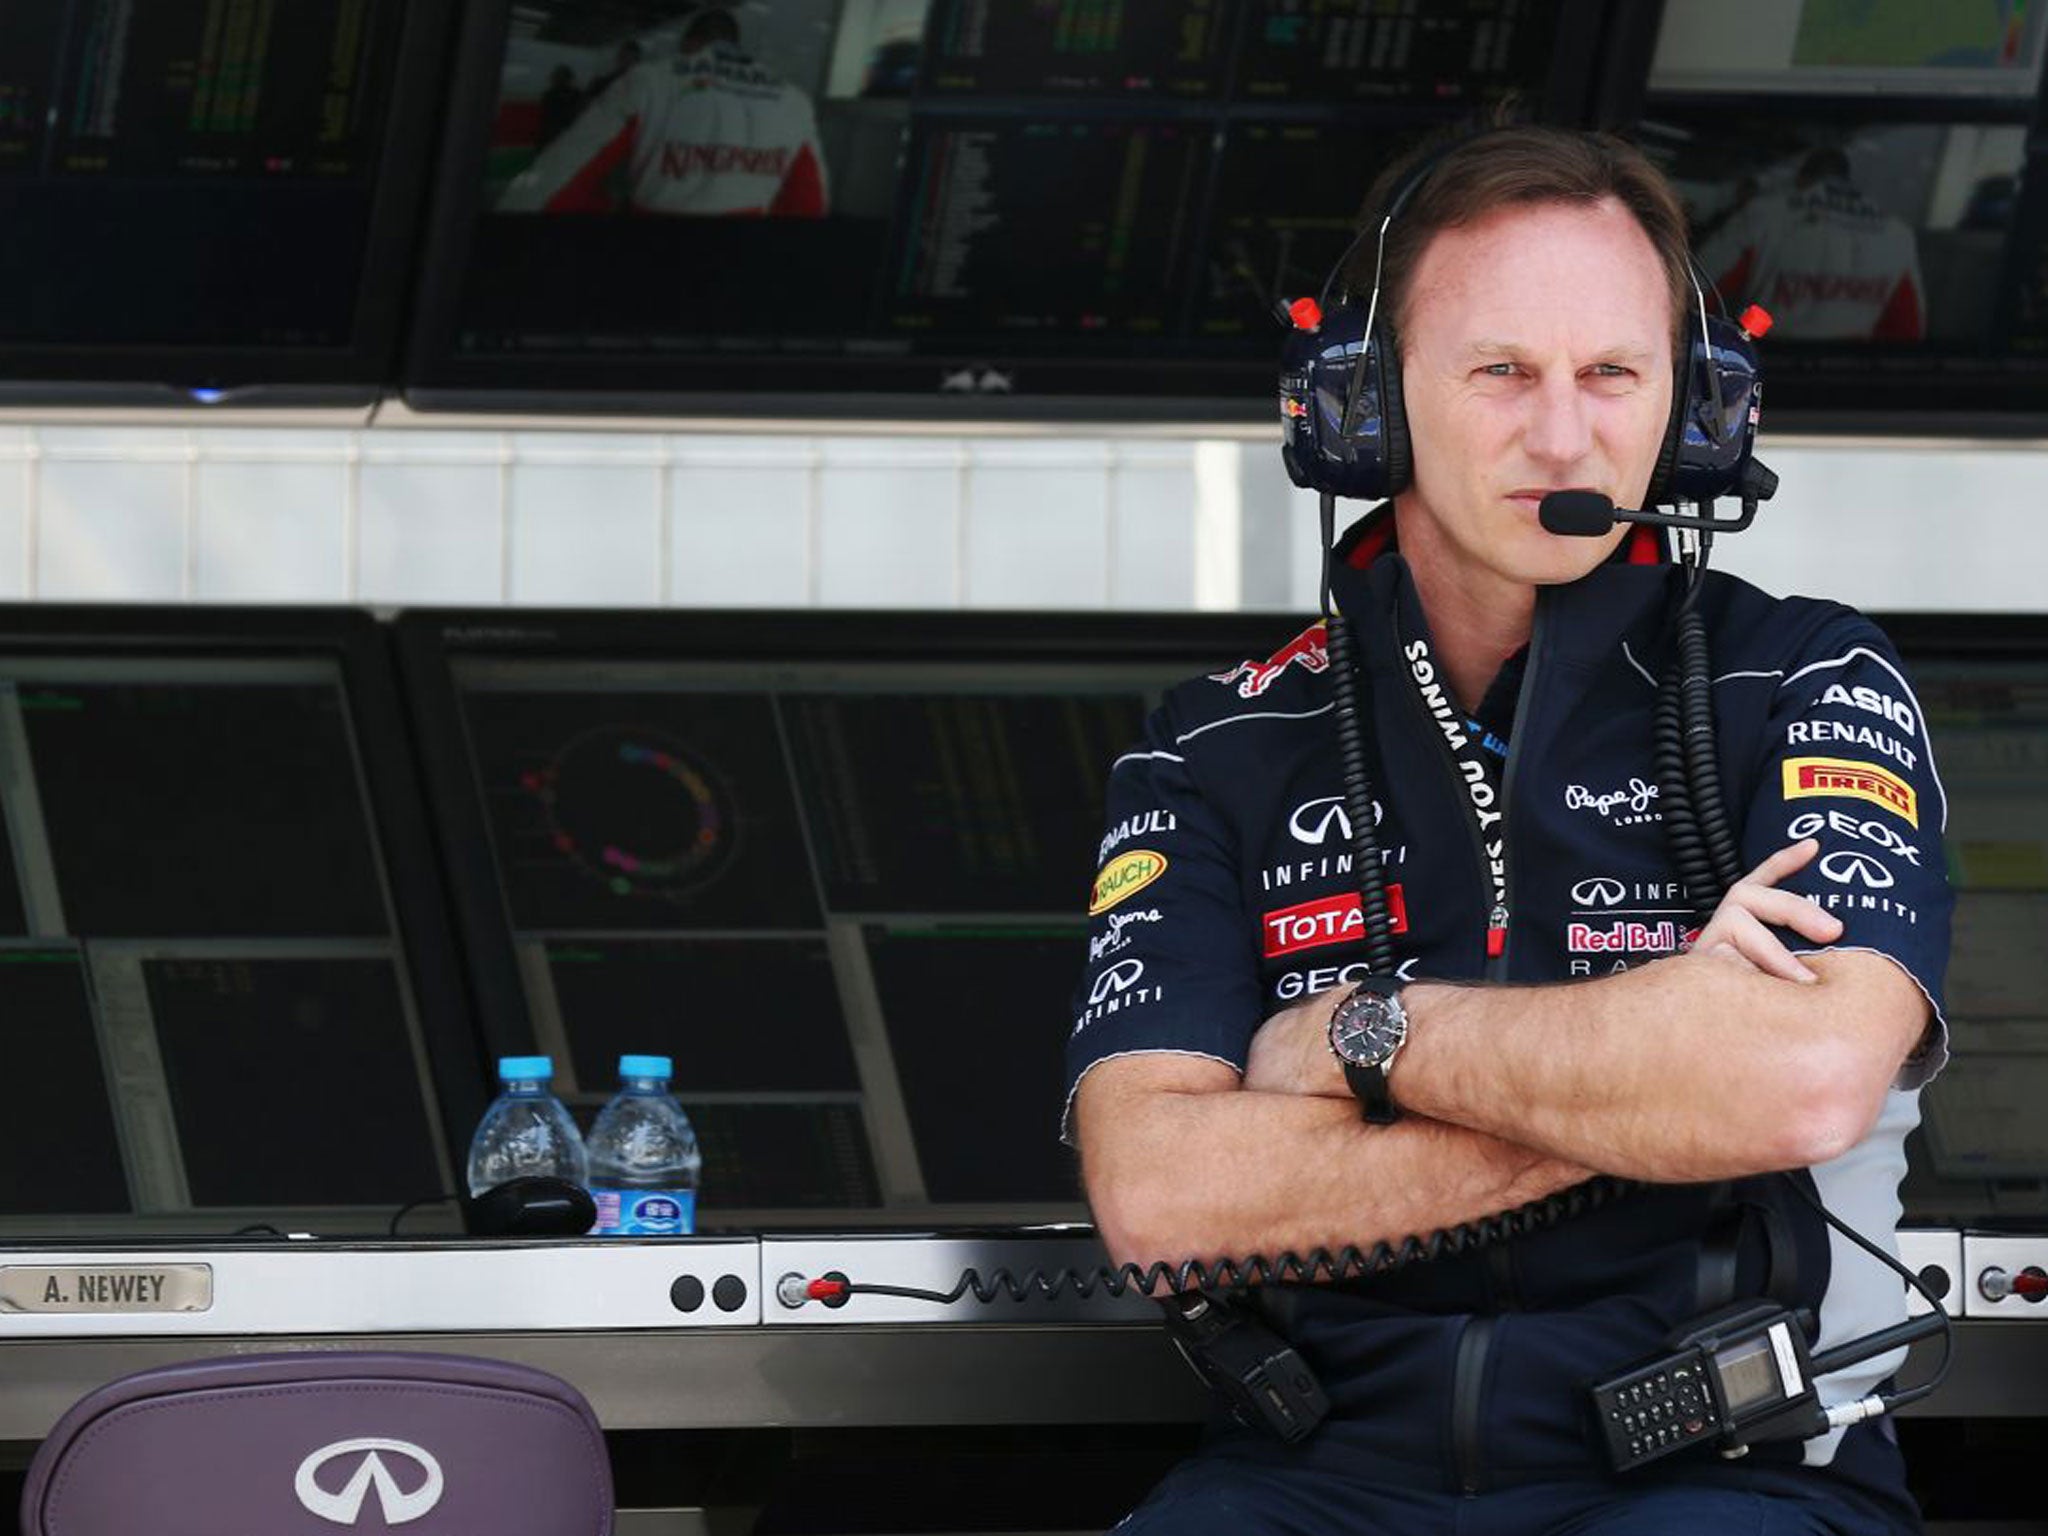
{"points": [[1369, 1084]]}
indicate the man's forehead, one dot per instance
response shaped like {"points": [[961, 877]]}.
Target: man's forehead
{"points": [[1498, 275]]}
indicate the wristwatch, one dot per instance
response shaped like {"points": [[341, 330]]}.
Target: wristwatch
{"points": [[1367, 1030]]}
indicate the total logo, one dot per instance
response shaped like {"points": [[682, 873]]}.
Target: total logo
{"points": [[344, 1505], [1120, 986], [1315, 822], [1338, 919]]}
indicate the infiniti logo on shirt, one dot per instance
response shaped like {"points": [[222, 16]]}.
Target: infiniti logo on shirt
{"points": [[344, 1505], [1846, 867], [1313, 820]]}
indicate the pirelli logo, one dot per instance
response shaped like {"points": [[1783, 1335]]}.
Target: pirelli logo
{"points": [[1839, 777]]}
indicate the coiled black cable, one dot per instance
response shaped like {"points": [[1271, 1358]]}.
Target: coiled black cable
{"points": [[1318, 1266], [1359, 809], [1697, 830]]}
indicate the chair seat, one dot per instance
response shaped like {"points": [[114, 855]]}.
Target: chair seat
{"points": [[314, 1444]]}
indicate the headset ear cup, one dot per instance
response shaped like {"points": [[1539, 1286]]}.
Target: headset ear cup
{"points": [[1681, 408], [1393, 410]]}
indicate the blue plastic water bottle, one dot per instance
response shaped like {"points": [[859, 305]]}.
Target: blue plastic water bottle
{"points": [[526, 1132], [644, 1161]]}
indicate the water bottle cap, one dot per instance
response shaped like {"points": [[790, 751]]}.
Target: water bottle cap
{"points": [[513, 1069], [646, 1066]]}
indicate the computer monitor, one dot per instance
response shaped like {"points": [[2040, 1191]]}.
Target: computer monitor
{"points": [[835, 865], [224, 970], [1863, 172], [944, 209], [210, 202]]}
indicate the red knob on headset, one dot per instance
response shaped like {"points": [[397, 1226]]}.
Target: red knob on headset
{"points": [[1305, 314], [1755, 321]]}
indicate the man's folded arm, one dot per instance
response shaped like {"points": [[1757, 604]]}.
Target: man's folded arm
{"points": [[1181, 1162]]}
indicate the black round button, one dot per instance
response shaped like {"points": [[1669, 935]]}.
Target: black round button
{"points": [[728, 1293], [1936, 1279], [687, 1293]]}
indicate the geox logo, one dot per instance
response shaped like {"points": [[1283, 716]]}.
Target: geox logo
{"points": [[345, 1505]]}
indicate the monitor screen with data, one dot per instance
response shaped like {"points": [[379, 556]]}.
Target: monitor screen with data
{"points": [[205, 195], [835, 867], [202, 947], [965, 206], [1862, 170]]}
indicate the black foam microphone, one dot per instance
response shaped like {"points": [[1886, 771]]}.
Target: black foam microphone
{"points": [[1588, 514], [1579, 514]]}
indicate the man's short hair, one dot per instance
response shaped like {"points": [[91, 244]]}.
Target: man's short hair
{"points": [[1478, 173]]}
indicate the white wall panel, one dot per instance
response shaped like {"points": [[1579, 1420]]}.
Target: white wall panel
{"points": [[889, 523], [112, 528], [271, 531], [18, 485], [418, 516], [431, 529], [1035, 525], [741, 522], [586, 535], [1151, 531]]}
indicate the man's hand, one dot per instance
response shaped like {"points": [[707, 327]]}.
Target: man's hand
{"points": [[1738, 934]]}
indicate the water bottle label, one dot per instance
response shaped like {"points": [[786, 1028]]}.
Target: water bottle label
{"points": [[645, 1212]]}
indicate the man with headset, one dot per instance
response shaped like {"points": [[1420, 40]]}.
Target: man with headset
{"points": [[1533, 299]]}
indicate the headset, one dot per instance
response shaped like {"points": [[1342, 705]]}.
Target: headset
{"points": [[1345, 428]]}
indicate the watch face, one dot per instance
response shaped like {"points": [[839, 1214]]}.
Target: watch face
{"points": [[1366, 1029]]}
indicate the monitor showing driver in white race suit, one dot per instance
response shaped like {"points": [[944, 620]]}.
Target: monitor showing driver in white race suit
{"points": [[1822, 258], [706, 131]]}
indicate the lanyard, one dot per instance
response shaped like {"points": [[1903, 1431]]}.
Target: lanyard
{"points": [[1480, 772]]}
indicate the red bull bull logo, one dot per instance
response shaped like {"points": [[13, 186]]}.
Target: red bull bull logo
{"points": [[1253, 678]]}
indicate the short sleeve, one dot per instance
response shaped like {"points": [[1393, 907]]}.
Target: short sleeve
{"points": [[1848, 762], [1172, 960]]}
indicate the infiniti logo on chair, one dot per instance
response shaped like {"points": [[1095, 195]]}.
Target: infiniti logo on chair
{"points": [[343, 1506]]}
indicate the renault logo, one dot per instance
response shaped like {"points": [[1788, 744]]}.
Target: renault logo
{"points": [[343, 1506], [1116, 979]]}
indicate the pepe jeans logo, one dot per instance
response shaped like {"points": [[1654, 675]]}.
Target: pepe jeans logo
{"points": [[1631, 803], [344, 1505]]}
